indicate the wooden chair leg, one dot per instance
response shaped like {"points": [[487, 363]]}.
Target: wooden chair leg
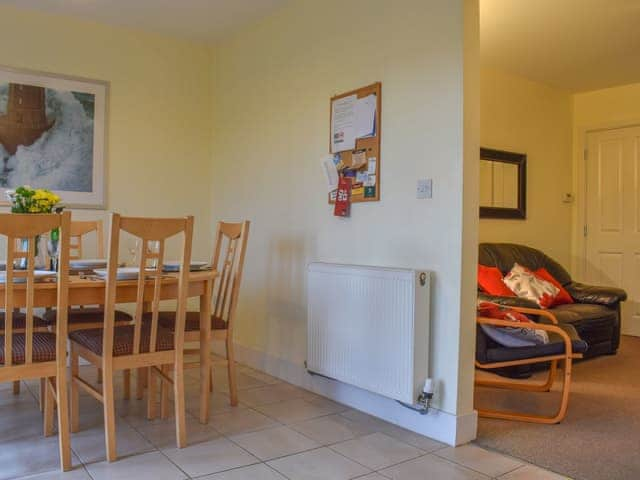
{"points": [[126, 380], [231, 370], [62, 402], [74, 402], [151, 394], [16, 387], [205, 380], [141, 376], [557, 418], [211, 378], [109, 414], [524, 387], [48, 411], [164, 393], [99, 380], [43, 385], [179, 404]]}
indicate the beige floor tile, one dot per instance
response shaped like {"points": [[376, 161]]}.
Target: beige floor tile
{"points": [[20, 421], [372, 476], [150, 466], [376, 450], [8, 399], [89, 444], [241, 421], [481, 460], [270, 394], [221, 382], [263, 377], [430, 466], [162, 433], [331, 429], [320, 464], [78, 473], [531, 472], [372, 423], [294, 411], [252, 472], [218, 403], [210, 457], [274, 442], [29, 455]]}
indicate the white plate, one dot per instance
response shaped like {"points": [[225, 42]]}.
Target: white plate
{"points": [[88, 263], [175, 266], [123, 273], [38, 275]]}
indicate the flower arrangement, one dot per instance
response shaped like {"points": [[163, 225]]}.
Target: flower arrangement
{"points": [[32, 200]]}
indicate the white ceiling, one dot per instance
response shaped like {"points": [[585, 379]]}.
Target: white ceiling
{"points": [[203, 20], [577, 45]]}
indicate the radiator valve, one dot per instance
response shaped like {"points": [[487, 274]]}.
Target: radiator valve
{"points": [[427, 393]]}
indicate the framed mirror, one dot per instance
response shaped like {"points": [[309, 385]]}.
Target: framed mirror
{"points": [[503, 184]]}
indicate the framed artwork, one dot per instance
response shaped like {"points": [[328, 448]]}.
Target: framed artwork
{"points": [[53, 135]]}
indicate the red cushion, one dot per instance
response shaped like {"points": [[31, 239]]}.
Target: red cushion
{"points": [[490, 281], [563, 296]]}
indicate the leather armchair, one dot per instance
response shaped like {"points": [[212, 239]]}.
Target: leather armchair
{"points": [[596, 312]]}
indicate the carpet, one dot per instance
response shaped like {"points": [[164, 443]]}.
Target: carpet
{"points": [[600, 437]]}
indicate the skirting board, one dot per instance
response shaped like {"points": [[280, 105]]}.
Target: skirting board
{"points": [[442, 426]]}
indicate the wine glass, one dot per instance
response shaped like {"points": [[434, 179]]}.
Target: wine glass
{"points": [[134, 248]]}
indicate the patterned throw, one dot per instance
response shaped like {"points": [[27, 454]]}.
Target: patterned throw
{"points": [[510, 336], [525, 284]]}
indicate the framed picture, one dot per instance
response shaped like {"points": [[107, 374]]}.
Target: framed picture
{"points": [[52, 135]]}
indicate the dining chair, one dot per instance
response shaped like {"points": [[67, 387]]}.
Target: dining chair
{"points": [[139, 345], [28, 352], [232, 239]]}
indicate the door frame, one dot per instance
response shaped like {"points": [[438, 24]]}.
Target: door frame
{"points": [[579, 244]]}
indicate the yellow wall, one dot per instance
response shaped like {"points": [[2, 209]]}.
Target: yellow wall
{"points": [[159, 109], [272, 84], [527, 117]]}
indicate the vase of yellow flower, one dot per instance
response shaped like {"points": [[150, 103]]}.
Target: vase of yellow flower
{"points": [[34, 200]]}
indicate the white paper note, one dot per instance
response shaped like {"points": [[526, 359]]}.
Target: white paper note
{"points": [[343, 118], [371, 167], [330, 172], [365, 113]]}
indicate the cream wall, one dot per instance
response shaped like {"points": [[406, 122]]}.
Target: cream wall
{"points": [[159, 127], [272, 84], [523, 116]]}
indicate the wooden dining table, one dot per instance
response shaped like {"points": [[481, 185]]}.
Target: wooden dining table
{"points": [[90, 290]]}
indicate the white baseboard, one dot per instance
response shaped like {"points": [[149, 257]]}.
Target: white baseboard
{"points": [[442, 426]]}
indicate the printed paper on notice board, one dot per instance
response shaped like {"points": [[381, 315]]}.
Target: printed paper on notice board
{"points": [[343, 117]]}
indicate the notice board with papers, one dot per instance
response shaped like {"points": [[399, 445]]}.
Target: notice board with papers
{"points": [[354, 143]]}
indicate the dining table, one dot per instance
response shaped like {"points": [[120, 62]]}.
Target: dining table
{"points": [[88, 289]]}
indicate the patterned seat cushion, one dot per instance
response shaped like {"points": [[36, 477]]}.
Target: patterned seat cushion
{"points": [[123, 340], [192, 323], [20, 321], [84, 315], [44, 348]]}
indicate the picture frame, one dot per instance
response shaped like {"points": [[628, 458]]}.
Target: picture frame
{"points": [[519, 163], [53, 135]]}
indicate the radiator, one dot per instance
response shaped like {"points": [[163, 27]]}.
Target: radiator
{"points": [[369, 327]]}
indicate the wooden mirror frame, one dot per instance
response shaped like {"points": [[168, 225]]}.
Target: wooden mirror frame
{"points": [[519, 159]]}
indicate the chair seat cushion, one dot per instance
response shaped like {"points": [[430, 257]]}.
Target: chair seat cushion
{"points": [[192, 323], [20, 321], [84, 315], [496, 353], [44, 348], [123, 340]]}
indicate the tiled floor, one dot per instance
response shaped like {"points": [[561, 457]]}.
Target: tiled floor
{"points": [[278, 432]]}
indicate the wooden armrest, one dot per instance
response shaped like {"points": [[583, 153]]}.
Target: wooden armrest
{"points": [[531, 326], [530, 311]]}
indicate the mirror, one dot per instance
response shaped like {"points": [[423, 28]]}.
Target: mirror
{"points": [[503, 184]]}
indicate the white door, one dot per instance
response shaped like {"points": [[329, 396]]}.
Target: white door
{"points": [[613, 216]]}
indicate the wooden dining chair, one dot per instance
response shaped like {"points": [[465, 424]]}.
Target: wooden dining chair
{"points": [[228, 259], [29, 352], [142, 344], [80, 229]]}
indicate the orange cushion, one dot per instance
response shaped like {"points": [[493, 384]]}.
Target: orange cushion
{"points": [[563, 296], [490, 281]]}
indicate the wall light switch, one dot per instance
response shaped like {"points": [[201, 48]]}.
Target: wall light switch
{"points": [[424, 188]]}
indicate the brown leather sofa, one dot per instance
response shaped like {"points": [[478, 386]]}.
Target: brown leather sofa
{"points": [[596, 312]]}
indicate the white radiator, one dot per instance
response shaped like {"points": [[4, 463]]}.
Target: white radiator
{"points": [[369, 327]]}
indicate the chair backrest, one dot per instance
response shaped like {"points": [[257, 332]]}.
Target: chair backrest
{"points": [[19, 227], [152, 233], [231, 238], [81, 228]]}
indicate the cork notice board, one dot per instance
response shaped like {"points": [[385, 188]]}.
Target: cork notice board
{"points": [[362, 163]]}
